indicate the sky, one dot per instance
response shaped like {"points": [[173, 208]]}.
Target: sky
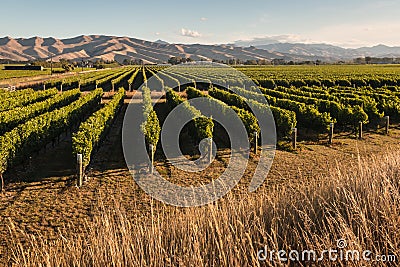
{"points": [[351, 23]]}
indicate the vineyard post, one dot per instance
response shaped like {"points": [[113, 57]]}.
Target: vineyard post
{"points": [[255, 142], [2, 183], [61, 87], [360, 130], [210, 150], [294, 138], [152, 158], [112, 87], [130, 87], [44, 86], [79, 167], [387, 121], [331, 127], [96, 85]]}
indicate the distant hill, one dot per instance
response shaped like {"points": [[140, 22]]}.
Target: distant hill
{"points": [[92, 47], [327, 51]]}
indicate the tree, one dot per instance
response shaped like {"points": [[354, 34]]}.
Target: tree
{"points": [[175, 60], [178, 60]]}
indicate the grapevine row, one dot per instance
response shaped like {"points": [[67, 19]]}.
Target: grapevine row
{"points": [[12, 118], [248, 119], [151, 125], [93, 130], [31, 136], [202, 126], [26, 99], [285, 120]]}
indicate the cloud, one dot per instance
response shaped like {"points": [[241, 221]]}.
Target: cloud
{"points": [[190, 33], [284, 38], [157, 33], [203, 19]]}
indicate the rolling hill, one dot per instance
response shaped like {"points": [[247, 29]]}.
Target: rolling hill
{"points": [[93, 47]]}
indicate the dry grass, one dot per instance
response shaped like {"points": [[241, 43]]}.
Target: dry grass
{"points": [[360, 205]]}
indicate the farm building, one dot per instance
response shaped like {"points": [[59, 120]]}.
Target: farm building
{"points": [[25, 67]]}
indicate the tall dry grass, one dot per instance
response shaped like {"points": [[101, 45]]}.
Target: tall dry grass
{"points": [[360, 205]]}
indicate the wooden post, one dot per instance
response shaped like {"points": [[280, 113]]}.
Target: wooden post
{"points": [[79, 167], [112, 87], [360, 130], [152, 159], [44, 86], [96, 85], [2, 183], [210, 150], [387, 121], [130, 87], [331, 127], [294, 138], [255, 142]]}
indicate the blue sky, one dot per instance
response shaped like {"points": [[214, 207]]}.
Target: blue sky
{"points": [[351, 23]]}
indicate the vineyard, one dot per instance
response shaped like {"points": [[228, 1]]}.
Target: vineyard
{"points": [[308, 99], [60, 139]]}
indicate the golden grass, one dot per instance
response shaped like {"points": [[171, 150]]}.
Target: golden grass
{"points": [[360, 205]]}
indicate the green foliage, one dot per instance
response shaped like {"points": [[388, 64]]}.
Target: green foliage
{"points": [[306, 115], [32, 135], [112, 77], [203, 126], [133, 76], [12, 118], [284, 119], [8, 94], [25, 98], [151, 125], [359, 115], [93, 130], [152, 128], [249, 120], [267, 83]]}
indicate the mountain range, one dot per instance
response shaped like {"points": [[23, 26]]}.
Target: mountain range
{"points": [[93, 47]]}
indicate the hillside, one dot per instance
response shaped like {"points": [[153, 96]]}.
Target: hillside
{"points": [[119, 48]]}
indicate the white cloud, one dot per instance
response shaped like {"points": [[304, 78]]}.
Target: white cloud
{"points": [[157, 33], [262, 40], [203, 19], [190, 33]]}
